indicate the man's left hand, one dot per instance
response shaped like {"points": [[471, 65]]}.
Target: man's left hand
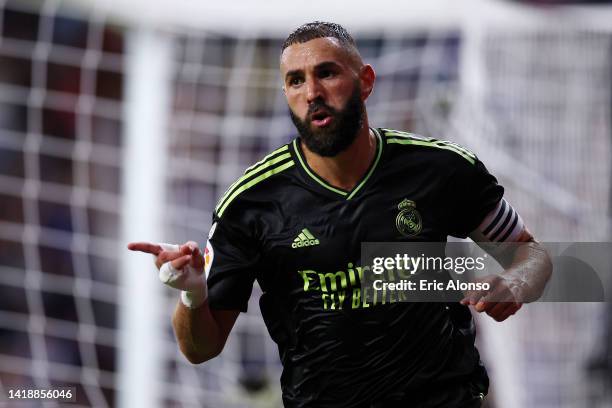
{"points": [[502, 300]]}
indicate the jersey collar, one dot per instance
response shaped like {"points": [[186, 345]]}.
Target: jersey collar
{"points": [[321, 182]]}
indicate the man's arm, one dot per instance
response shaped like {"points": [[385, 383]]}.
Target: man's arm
{"points": [[527, 270], [530, 266], [200, 331]]}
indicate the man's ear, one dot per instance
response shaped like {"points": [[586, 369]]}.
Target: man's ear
{"points": [[367, 76]]}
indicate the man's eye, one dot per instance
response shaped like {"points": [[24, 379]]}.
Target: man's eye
{"points": [[326, 74], [295, 81]]}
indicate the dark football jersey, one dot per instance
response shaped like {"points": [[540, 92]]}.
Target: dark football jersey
{"points": [[300, 238]]}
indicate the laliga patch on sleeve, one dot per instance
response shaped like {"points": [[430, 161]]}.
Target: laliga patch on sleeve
{"points": [[209, 254]]}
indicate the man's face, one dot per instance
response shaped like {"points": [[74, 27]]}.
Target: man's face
{"points": [[323, 91]]}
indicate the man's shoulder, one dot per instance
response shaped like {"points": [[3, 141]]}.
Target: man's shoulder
{"points": [[427, 148], [255, 178]]}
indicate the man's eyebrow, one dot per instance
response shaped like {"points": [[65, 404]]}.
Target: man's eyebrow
{"points": [[326, 65], [293, 73], [320, 66]]}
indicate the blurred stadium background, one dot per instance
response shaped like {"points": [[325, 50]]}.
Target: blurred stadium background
{"points": [[125, 121]]}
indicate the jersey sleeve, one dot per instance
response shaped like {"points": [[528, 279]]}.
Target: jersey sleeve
{"points": [[474, 193], [232, 258]]}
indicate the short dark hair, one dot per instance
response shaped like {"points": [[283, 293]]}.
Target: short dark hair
{"points": [[319, 29]]}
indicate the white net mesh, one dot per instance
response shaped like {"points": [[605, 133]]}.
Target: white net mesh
{"points": [[541, 121], [534, 104], [60, 117]]}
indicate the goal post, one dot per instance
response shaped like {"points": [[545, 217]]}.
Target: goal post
{"points": [[147, 108]]}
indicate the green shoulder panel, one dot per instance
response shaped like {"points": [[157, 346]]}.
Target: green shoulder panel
{"points": [[274, 163], [406, 138]]}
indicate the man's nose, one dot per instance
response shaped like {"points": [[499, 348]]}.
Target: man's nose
{"points": [[313, 90]]}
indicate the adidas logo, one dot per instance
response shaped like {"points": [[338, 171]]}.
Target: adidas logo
{"points": [[304, 239]]}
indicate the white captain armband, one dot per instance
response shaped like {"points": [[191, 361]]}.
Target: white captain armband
{"points": [[503, 224]]}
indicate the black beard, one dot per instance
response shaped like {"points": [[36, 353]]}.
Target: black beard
{"points": [[331, 140]]}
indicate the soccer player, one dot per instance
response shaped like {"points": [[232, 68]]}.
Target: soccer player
{"points": [[295, 221]]}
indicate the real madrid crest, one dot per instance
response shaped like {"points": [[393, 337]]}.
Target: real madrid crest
{"points": [[408, 220]]}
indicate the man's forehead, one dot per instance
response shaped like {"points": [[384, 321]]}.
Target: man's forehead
{"points": [[312, 52]]}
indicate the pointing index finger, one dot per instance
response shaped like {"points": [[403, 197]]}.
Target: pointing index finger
{"points": [[145, 247]]}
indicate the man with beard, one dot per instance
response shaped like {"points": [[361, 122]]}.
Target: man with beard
{"points": [[295, 222]]}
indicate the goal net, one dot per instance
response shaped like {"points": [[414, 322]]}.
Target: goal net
{"points": [[60, 143], [533, 100]]}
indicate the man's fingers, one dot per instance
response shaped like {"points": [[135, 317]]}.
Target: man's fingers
{"points": [[499, 302], [472, 297], [179, 255], [483, 306], [498, 309], [189, 247], [500, 297], [147, 247], [181, 262], [500, 293], [501, 311], [509, 311], [198, 259], [166, 256], [169, 247], [192, 244]]}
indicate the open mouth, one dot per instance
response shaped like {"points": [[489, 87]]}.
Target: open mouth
{"points": [[321, 118]]}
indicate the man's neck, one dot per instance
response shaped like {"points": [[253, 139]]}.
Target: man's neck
{"points": [[347, 168]]}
